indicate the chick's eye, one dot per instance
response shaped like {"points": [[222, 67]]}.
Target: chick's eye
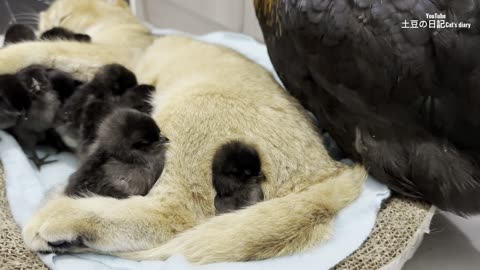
{"points": [[141, 144]]}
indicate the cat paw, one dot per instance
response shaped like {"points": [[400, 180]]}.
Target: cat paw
{"points": [[59, 227]]}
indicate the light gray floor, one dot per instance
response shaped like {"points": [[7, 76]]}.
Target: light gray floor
{"points": [[453, 244]]}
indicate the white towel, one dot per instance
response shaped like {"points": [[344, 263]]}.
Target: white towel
{"points": [[26, 188]]}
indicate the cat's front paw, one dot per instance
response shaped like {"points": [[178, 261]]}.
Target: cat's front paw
{"points": [[60, 227]]}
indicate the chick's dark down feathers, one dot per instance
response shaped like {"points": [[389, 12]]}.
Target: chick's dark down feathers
{"points": [[404, 101]]}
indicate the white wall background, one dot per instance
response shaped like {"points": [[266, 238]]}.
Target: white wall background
{"points": [[200, 16]]}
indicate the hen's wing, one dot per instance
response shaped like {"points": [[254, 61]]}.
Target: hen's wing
{"points": [[357, 67]]}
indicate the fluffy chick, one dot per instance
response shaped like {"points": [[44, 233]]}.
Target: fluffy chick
{"points": [[15, 101], [237, 177], [63, 83], [93, 114], [138, 98], [107, 86], [45, 103], [127, 158], [96, 110]]}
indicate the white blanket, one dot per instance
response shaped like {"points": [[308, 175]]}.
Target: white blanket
{"points": [[26, 188]]}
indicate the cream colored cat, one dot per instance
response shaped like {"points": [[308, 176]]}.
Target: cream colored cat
{"points": [[105, 21], [206, 96]]}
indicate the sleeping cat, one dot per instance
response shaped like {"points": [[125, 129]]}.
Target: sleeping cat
{"points": [[206, 96]]}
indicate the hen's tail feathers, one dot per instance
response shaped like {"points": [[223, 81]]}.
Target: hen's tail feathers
{"points": [[424, 167], [446, 177]]}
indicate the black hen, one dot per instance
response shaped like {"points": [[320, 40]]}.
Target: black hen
{"points": [[404, 101]]}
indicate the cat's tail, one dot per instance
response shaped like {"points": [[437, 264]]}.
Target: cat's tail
{"points": [[275, 227]]}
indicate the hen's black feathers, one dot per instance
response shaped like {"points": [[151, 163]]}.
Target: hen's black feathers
{"points": [[405, 101]]}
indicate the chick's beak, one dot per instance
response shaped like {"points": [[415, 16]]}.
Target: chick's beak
{"points": [[21, 115], [163, 139]]}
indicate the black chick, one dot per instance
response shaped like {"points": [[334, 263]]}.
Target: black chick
{"points": [[96, 110], [116, 78], [237, 177], [18, 33], [108, 86], [400, 97], [63, 83], [15, 101], [127, 159], [138, 98], [45, 103], [64, 34]]}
